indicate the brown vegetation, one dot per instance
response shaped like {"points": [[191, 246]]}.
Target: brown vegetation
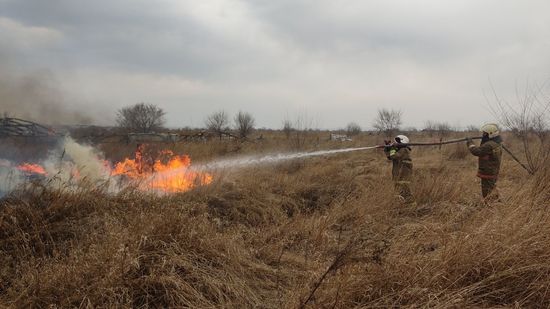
{"points": [[318, 232]]}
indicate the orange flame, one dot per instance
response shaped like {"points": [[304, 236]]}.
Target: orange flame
{"points": [[168, 173], [173, 176], [31, 168]]}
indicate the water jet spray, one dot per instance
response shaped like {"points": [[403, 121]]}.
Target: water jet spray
{"points": [[252, 160]]}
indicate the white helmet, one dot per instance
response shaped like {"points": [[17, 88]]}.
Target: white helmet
{"points": [[491, 129], [402, 139]]}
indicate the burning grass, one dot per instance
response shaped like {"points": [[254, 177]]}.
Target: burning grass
{"points": [[322, 232], [72, 163], [167, 173]]}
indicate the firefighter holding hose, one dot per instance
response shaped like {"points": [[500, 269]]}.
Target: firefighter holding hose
{"points": [[489, 154], [399, 153]]}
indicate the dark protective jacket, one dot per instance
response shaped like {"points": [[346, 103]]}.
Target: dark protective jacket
{"points": [[490, 156], [402, 163]]}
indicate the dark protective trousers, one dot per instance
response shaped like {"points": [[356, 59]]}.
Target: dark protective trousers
{"points": [[488, 187]]}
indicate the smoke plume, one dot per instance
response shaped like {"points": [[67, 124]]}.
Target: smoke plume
{"points": [[37, 97], [67, 165], [10, 177], [71, 157]]}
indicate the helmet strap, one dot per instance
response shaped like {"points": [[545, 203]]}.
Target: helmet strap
{"points": [[485, 138]]}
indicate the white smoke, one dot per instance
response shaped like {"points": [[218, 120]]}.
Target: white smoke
{"points": [[10, 177], [72, 158], [68, 165]]}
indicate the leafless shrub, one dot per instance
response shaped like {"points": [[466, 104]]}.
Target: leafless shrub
{"points": [[388, 121], [353, 129], [440, 129], [301, 128], [287, 128], [218, 123], [458, 152], [527, 118], [444, 129], [429, 127], [141, 118], [244, 124]]}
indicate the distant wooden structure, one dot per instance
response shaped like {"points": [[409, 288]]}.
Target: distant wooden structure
{"points": [[15, 127], [340, 137], [165, 137], [154, 137]]}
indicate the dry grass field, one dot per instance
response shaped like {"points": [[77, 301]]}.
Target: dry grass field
{"points": [[320, 232]]}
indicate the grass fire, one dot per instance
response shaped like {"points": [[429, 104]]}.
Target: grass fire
{"points": [[172, 175], [261, 224], [164, 172], [274, 154], [31, 168]]}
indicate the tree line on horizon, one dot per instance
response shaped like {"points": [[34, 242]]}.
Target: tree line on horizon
{"points": [[528, 121], [147, 118]]}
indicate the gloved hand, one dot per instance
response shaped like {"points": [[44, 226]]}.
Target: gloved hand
{"points": [[392, 151], [387, 146]]}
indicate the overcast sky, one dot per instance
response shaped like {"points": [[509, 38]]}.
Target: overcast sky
{"points": [[332, 61]]}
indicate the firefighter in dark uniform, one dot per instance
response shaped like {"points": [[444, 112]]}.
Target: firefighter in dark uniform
{"points": [[489, 154], [402, 167]]}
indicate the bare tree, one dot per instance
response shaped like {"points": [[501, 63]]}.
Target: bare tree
{"points": [[443, 129], [302, 127], [429, 127], [298, 130], [388, 121], [287, 128], [218, 122], [472, 128], [353, 129], [244, 124], [527, 119], [141, 118]]}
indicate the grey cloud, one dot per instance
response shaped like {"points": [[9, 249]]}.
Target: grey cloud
{"points": [[423, 28], [128, 35], [37, 97], [276, 57]]}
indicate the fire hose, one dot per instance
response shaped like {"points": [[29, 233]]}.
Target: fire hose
{"points": [[454, 141]]}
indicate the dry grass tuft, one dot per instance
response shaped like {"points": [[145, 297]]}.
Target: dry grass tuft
{"points": [[322, 232]]}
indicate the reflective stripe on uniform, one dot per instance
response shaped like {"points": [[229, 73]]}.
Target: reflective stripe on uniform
{"points": [[402, 182], [483, 176]]}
